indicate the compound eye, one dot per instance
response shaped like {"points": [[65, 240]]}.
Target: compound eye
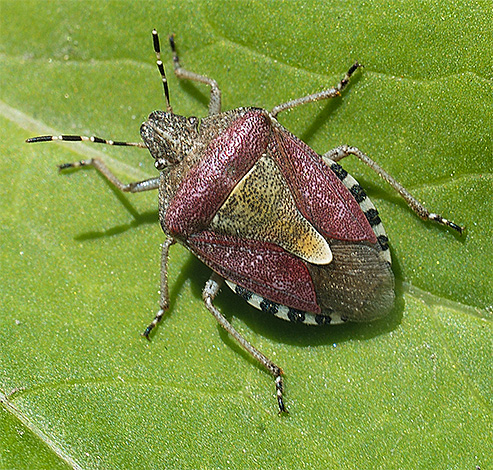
{"points": [[160, 164]]}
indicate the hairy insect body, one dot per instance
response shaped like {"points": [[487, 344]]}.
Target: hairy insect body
{"points": [[288, 230], [243, 199]]}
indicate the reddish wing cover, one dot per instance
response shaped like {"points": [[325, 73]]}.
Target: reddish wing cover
{"points": [[263, 268], [227, 159], [319, 195]]}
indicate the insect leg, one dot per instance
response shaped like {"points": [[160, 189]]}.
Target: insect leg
{"points": [[180, 72], [134, 187], [322, 95], [164, 292], [210, 291], [344, 150]]}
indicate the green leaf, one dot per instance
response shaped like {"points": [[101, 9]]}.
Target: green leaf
{"points": [[80, 262]]}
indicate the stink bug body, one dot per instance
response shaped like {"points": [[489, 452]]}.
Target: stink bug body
{"points": [[289, 230]]}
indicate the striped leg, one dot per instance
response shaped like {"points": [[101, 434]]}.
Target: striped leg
{"points": [[210, 291], [343, 151]]}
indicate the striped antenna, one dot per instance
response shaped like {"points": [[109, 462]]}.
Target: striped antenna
{"points": [[83, 138], [159, 63]]}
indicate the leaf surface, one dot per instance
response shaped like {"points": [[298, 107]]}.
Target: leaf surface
{"points": [[80, 262]]}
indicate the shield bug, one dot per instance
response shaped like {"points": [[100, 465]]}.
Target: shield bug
{"points": [[287, 229]]}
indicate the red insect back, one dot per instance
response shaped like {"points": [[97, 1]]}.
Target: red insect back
{"points": [[319, 194], [227, 159], [263, 268]]}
